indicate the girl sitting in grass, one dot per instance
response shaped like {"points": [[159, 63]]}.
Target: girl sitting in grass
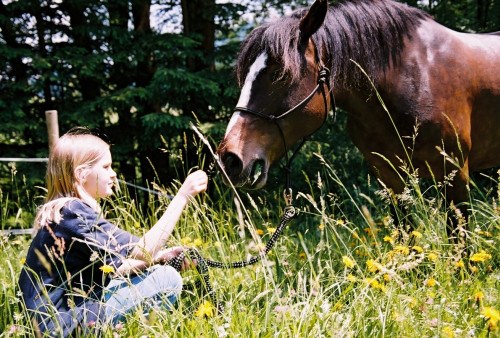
{"points": [[81, 271]]}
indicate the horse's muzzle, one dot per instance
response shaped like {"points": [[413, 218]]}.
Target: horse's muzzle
{"points": [[253, 176]]}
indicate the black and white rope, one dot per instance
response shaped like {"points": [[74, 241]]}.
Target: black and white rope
{"points": [[202, 264]]}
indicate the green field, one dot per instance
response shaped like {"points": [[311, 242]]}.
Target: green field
{"points": [[341, 269]]}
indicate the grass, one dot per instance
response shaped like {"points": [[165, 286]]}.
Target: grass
{"points": [[342, 268]]}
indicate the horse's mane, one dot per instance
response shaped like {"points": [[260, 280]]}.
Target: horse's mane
{"points": [[370, 32]]}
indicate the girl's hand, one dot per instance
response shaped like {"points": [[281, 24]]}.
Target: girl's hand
{"points": [[166, 255], [194, 184]]}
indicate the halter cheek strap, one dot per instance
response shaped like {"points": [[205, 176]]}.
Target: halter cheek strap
{"points": [[323, 80]]}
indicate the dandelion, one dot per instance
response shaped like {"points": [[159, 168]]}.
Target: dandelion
{"points": [[389, 239], [107, 269], [473, 269], [416, 234], [373, 266], [448, 332], [351, 278], [430, 282], [186, 240], [374, 283], [198, 242], [260, 232], [338, 306], [271, 231], [349, 263], [340, 222], [481, 256], [22, 260], [321, 226], [478, 297], [387, 277], [492, 316], [460, 264], [402, 249], [206, 309], [418, 249], [433, 257]]}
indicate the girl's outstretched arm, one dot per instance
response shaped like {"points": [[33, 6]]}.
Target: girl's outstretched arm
{"points": [[155, 239]]}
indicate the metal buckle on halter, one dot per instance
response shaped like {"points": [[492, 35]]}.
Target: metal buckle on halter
{"points": [[287, 195]]}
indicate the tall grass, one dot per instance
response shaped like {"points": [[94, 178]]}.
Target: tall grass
{"points": [[342, 268]]}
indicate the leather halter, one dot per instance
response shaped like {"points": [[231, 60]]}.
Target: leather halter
{"points": [[323, 80]]}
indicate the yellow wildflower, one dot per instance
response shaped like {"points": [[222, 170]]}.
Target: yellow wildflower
{"points": [[402, 249], [302, 255], [197, 242], [448, 332], [339, 222], [349, 263], [22, 260], [430, 282], [351, 278], [416, 234], [337, 306], [321, 226], [473, 269], [107, 269], [387, 277], [374, 283], [389, 239], [373, 266], [460, 264], [418, 249], [260, 232], [432, 256], [206, 309], [186, 240], [478, 297], [481, 256], [492, 316], [271, 230]]}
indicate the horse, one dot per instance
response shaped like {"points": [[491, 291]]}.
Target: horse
{"points": [[418, 95]]}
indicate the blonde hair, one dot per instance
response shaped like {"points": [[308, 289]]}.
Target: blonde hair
{"points": [[70, 161]]}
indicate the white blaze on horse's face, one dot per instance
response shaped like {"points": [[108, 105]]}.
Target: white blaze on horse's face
{"points": [[257, 67]]}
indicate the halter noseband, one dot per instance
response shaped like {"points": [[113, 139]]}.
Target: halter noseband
{"points": [[323, 79]]}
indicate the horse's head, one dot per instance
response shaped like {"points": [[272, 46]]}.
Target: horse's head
{"points": [[283, 97]]}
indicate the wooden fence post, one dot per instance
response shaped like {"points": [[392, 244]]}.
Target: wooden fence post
{"points": [[52, 127]]}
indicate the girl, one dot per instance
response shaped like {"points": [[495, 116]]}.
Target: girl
{"points": [[65, 282]]}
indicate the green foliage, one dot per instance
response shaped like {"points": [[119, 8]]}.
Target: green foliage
{"points": [[341, 267]]}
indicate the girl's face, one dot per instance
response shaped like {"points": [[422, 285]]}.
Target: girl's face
{"points": [[100, 181]]}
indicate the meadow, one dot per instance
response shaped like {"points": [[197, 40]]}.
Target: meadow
{"points": [[342, 268]]}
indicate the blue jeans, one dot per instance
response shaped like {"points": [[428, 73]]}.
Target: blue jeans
{"points": [[158, 287]]}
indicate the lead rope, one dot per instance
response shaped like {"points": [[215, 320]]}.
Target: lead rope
{"points": [[203, 264]]}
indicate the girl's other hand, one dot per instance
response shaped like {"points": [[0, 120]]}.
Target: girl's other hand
{"points": [[167, 255]]}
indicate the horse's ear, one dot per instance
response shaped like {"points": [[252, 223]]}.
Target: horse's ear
{"points": [[313, 20]]}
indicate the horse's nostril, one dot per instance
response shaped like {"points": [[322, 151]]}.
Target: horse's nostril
{"points": [[232, 164]]}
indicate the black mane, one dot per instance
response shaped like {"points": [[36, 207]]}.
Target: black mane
{"points": [[370, 32]]}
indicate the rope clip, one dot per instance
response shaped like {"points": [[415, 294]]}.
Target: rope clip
{"points": [[287, 195]]}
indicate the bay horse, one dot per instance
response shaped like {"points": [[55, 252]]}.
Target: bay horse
{"points": [[393, 69]]}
